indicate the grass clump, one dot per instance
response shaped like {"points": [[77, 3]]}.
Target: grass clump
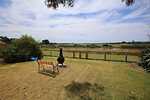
{"points": [[85, 91]]}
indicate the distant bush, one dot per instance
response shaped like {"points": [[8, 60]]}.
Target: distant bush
{"points": [[135, 46], [45, 41], [145, 59], [77, 45], [22, 50], [5, 39], [107, 45], [92, 46]]}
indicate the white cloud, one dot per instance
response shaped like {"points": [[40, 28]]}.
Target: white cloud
{"points": [[34, 18]]}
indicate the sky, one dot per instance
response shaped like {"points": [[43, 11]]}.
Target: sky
{"points": [[87, 21]]}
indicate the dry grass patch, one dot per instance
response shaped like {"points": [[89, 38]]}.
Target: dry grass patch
{"points": [[118, 81]]}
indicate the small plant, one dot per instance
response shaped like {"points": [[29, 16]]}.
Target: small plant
{"points": [[132, 96], [61, 58], [145, 60]]}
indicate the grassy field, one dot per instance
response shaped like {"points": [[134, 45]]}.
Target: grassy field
{"points": [[120, 81]]}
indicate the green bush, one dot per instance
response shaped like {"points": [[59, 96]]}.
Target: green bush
{"points": [[145, 59], [22, 50]]}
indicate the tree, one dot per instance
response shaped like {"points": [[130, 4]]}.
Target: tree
{"points": [[22, 49], [5, 39], [45, 41], [128, 2], [55, 3]]}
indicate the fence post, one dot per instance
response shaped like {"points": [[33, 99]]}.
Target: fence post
{"points": [[80, 55], [105, 56], [50, 53], [126, 57], [86, 55], [73, 54]]}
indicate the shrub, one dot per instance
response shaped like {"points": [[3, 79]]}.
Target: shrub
{"points": [[145, 59], [22, 50]]}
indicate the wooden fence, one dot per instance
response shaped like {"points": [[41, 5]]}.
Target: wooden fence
{"points": [[95, 55]]}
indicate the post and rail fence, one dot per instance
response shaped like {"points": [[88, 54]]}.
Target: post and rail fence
{"points": [[96, 55]]}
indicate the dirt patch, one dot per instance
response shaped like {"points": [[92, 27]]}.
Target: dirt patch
{"points": [[136, 67]]}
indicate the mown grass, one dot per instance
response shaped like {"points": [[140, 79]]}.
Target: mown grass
{"points": [[122, 81], [118, 80]]}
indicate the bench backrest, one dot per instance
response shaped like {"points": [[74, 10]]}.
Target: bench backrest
{"points": [[40, 62]]}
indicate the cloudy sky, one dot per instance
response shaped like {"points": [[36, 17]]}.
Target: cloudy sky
{"points": [[87, 21]]}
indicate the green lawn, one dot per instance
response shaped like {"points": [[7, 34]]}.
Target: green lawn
{"points": [[121, 81]]}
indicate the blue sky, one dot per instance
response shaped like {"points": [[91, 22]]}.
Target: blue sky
{"points": [[87, 21]]}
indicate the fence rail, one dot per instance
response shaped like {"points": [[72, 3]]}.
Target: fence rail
{"points": [[92, 55]]}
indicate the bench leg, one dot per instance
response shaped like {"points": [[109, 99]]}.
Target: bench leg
{"points": [[43, 68], [57, 69], [53, 69]]}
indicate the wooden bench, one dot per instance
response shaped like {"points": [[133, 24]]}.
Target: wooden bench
{"points": [[45, 65]]}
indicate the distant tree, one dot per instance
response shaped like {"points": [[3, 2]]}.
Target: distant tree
{"points": [[52, 44], [107, 45], [70, 3], [92, 45], [45, 41], [5, 39], [123, 42], [76, 45]]}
